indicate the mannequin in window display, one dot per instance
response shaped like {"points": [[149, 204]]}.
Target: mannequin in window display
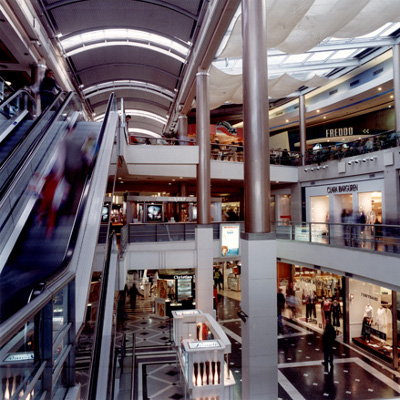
{"points": [[326, 308], [367, 322], [336, 313], [310, 306], [381, 319]]}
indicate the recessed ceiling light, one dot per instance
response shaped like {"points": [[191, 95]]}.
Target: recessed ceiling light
{"points": [[379, 88], [287, 120], [181, 177], [173, 180], [318, 110], [169, 183], [391, 96], [324, 117], [119, 177]]}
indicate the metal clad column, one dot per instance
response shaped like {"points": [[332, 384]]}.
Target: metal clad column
{"points": [[255, 113], [203, 141], [204, 231], [258, 244], [182, 129], [303, 132]]}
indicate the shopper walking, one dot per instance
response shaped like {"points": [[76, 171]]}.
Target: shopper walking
{"points": [[281, 306], [328, 338]]}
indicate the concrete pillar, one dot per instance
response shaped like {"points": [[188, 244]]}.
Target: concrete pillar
{"points": [[203, 141], [204, 270], [259, 332], [391, 199], [396, 85], [303, 132], [182, 129], [258, 245], [37, 75]]}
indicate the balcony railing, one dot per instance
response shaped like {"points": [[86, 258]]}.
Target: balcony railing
{"points": [[377, 237]]}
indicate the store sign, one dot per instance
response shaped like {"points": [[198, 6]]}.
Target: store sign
{"points": [[183, 276], [204, 344], [368, 296], [339, 132], [186, 312], [230, 236], [13, 357], [342, 188]]}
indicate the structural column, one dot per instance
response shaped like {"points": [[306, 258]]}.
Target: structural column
{"points": [[303, 132], [258, 245], [396, 85], [37, 74], [182, 129], [204, 232]]}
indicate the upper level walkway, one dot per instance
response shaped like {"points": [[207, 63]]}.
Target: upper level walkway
{"points": [[366, 252]]}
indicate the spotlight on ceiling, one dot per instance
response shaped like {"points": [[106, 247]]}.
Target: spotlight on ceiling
{"points": [[364, 160], [312, 169], [349, 162], [356, 161]]}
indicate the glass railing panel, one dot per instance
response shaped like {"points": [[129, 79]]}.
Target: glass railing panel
{"points": [[16, 105], [142, 233], [20, 361], [170, 232]]}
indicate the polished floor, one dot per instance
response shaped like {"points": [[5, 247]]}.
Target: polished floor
{"points": [[301, 375]]}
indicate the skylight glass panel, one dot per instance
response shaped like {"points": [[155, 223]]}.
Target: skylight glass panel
{"points": [[320, 56], [392, 28], [275, 60], [92, 37], [296, 58], [343, 54]]}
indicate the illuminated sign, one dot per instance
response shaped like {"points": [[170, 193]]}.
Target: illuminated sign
{"points": [[19, 357], [339, 132], [342, 188], [187, 312], [204, 344], [230, 237]]}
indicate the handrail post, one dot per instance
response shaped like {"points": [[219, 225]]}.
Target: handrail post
{"points": [[309, 232]]}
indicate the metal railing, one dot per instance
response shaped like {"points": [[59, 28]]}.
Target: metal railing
{"points": [[376, 237], [381, 141]]}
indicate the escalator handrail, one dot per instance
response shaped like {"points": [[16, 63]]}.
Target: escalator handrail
{"points": [[37, 121], [34, 145], [11, 326], [12, 96]]}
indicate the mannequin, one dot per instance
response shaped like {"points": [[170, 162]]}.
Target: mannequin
{"points": [[336, 313], [368, 311], [381, 319], [367, 322], [326, 306]]}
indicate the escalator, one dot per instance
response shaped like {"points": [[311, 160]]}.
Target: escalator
{"points": [[36, 257], [17, 114]]}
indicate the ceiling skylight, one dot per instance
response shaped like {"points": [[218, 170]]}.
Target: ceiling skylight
{"points": [[128, 84], [124, 37]]}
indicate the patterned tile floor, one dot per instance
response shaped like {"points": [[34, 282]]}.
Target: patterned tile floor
{"points": [[301, 375]]}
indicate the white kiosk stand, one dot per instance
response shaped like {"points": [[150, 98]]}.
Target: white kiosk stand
{"points": [[203, 353]]}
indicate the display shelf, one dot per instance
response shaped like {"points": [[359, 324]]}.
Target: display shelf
{"points": [[202, 348]]}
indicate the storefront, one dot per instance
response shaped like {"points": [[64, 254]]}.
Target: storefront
{"points": [[371, 319], [329, 202], [312, 296], [362, 313], [166, 209]]}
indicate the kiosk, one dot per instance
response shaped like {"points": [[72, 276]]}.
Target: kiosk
{"points": [[203, 353]]}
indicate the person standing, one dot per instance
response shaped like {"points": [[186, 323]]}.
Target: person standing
{"points": [[281, 306], [328, 338], [48, 89], [133, 292]]}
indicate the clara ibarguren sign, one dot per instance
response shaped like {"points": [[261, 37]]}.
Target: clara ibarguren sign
{"points": [[342, 188], [339, 132]]}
